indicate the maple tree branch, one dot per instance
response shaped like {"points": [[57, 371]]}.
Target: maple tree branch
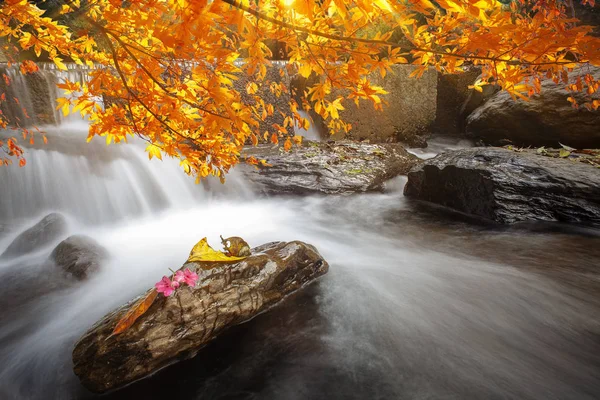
{"points": [[238, 4], [132, 93], [162, 86], [107, 32]]}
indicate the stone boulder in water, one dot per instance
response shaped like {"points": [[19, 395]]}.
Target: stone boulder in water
{"points": [[507, 186], [49, 230], [328, 168], [79, 256], [176, 327], [545, 120]]}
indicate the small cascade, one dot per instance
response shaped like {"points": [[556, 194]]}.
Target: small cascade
{"points": [[90, 182], [316, 132], [31, 98]]}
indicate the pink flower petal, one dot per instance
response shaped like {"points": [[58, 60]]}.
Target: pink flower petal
{"points": [[179, 276], [190, 277]]}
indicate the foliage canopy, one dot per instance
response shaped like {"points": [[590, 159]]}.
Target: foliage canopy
{"points": [[166, 68]]}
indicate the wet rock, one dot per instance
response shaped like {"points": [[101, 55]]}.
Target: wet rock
{"points": [[452, 93], [176, 327], [474, 100], [546, 120], [45, 232], [507, 186], [79, 256], [588, 15], [328, 168]]}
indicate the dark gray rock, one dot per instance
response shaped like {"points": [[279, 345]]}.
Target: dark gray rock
{"points": [[79, 256], [475, 100], [452, 93], [546, 120], [328, 168], [507, 186], [176, 327], [47, 231], [588, 15]]}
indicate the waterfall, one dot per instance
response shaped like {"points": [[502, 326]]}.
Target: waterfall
{"points": [[91, 182], [36, 93]]}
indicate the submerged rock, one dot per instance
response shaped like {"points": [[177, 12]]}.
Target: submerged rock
{"points": [[45, 232], [507, 186], [328, 168], [544, 120], [176, 327], [79, 256]]}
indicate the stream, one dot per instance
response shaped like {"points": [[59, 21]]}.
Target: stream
{"points": [[419, 303]]}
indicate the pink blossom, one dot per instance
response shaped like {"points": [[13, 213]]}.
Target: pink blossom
{"points": [[179, 277], [166, 286], [190, 277]]}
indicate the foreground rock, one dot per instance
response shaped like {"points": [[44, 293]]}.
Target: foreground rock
{"points": [[176, 327], [45, 232], [79, 256], [507, 186], [545, 120], [329, 168]]}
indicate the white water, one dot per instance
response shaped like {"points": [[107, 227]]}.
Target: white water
{"points": [[416, 305], [438, 144]]}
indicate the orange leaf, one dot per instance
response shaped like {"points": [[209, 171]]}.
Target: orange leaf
{"points": [[22, 162], [274, 138], [287, 145], [138, 309]]}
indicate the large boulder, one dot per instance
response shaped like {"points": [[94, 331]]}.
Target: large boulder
{"points": [[45, 232], [507, 186], [176, 327], [546, 120], [79, 256], [452, 93], [328, 168]]}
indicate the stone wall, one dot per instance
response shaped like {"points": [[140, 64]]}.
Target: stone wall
{"points": [[276, 73], [408, 114]]}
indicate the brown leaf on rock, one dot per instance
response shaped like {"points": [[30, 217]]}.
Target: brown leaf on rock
{"points": [[138, 309]]}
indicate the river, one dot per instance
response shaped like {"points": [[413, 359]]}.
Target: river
{"points": [[419, 303]]}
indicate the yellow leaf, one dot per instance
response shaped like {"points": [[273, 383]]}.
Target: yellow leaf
{"points": [[154, 151], [383, 4], [202, 252], [63, 105], [59, 63]]}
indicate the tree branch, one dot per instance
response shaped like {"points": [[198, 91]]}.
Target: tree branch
{"points": [[237, 4]]}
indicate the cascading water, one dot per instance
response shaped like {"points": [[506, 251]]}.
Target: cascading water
{"points": [[417, 304]]}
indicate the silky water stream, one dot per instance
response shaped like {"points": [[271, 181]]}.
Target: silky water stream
{"points": [[418, 304]]}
